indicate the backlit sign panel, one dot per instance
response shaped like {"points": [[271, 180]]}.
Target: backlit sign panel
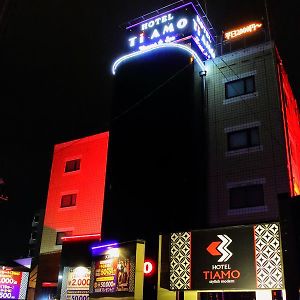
{"points": [[230, 258], [75, 285], [113, 269], [222, 263], [112, 274], [180, 24], [13, 284]]}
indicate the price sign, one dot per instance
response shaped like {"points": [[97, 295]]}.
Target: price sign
{"points": [[105, 275], [76, 286], [10, 282]]}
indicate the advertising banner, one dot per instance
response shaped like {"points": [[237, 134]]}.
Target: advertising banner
{"points": [[112, 275], [229, 258], [13, 284], [114, 270], [106, 275]]}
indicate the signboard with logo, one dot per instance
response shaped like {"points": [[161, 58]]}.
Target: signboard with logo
{"points": [[75, 285], [180, 24], [13, 284], [229, 258]]}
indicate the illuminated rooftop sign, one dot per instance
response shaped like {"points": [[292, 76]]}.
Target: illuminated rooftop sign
{"points": [[239, 32], [179, 25]]}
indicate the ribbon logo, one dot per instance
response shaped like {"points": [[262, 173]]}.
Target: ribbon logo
{"points": [[219, 248]]}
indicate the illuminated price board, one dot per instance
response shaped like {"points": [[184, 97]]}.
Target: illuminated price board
{"points": [[76, 283], [13, 284]]}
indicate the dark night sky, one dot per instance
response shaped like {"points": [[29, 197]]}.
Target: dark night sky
{"points": [[55, 58]]}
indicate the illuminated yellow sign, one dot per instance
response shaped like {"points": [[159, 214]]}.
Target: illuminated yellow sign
{"points": [[242, 31]]}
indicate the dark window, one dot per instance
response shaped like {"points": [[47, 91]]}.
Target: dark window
{"points": [[246, 196], [243, 138], [239, 87], [34, 235], [60, 235], [68, 200], [36, 218], [72, 165]]}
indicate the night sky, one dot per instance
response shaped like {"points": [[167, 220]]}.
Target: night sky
{"points": [[55, 59]]}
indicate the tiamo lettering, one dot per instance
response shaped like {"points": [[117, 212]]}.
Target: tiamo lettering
{"points": [[230, 274]]}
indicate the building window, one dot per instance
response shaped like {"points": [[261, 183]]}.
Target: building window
{"points": [[36, 218], [239, 87], [60, 235], [72, 165], [34, 235], [68, 200], [244, 138], [246, 196]]}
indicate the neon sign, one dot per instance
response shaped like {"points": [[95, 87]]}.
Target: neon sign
{"points": [[154, 32], [153, 48], [229, 35], [181, 24]]}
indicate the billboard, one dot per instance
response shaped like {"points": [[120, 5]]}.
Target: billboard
{"points": [[114, 269], [76, 282], [112, 274], [13, 284], [180, 24], [230, 258]]}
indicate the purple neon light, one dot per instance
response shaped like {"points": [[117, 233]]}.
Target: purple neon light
{"points": [[169, 11], [104, 246]]}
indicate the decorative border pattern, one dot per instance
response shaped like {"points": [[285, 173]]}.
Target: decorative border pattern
{"points": [[180, 261], [269, 269], [92, 278], [132, 274], [24, 283]]}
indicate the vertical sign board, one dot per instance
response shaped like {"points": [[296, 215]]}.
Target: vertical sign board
{"points": [[13, 284], [113, 270], [230, 258], [180, 24], [76, 282]]}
